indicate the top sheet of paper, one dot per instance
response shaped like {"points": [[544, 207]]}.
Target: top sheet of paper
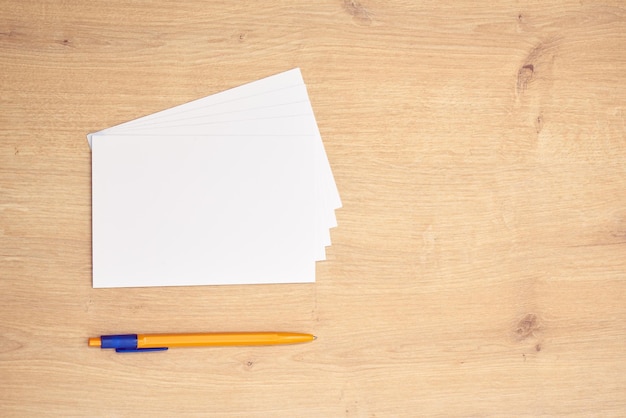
{"points": [[189, 212]]}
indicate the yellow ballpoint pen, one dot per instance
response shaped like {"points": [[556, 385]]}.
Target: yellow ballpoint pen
{"points": [[130, 343]]}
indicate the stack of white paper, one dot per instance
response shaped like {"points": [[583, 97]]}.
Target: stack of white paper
{"points": [[234, 188]]}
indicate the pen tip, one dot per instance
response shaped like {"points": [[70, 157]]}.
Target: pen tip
{"points": [[314, 338]]}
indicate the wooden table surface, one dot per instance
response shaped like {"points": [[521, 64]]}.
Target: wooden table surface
{"points": [[478, 267]]}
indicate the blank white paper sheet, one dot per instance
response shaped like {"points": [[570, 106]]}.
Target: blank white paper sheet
{"points": [[233, 188]]}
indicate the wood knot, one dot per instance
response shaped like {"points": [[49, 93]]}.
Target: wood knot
{"points": [[537, 65], [64, 42], [524, 76], [539, 123], [359, 13], [527, 326]]}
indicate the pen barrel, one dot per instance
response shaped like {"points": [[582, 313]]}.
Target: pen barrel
{"points": [[221, 339]]}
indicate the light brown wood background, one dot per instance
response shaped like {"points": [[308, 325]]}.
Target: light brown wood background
{"points": [[478, 268]]}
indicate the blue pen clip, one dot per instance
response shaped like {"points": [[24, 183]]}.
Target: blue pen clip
{"points": [[139, 350]]}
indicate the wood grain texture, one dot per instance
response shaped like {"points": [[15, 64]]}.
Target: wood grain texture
{"points": [[478, 268]]}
